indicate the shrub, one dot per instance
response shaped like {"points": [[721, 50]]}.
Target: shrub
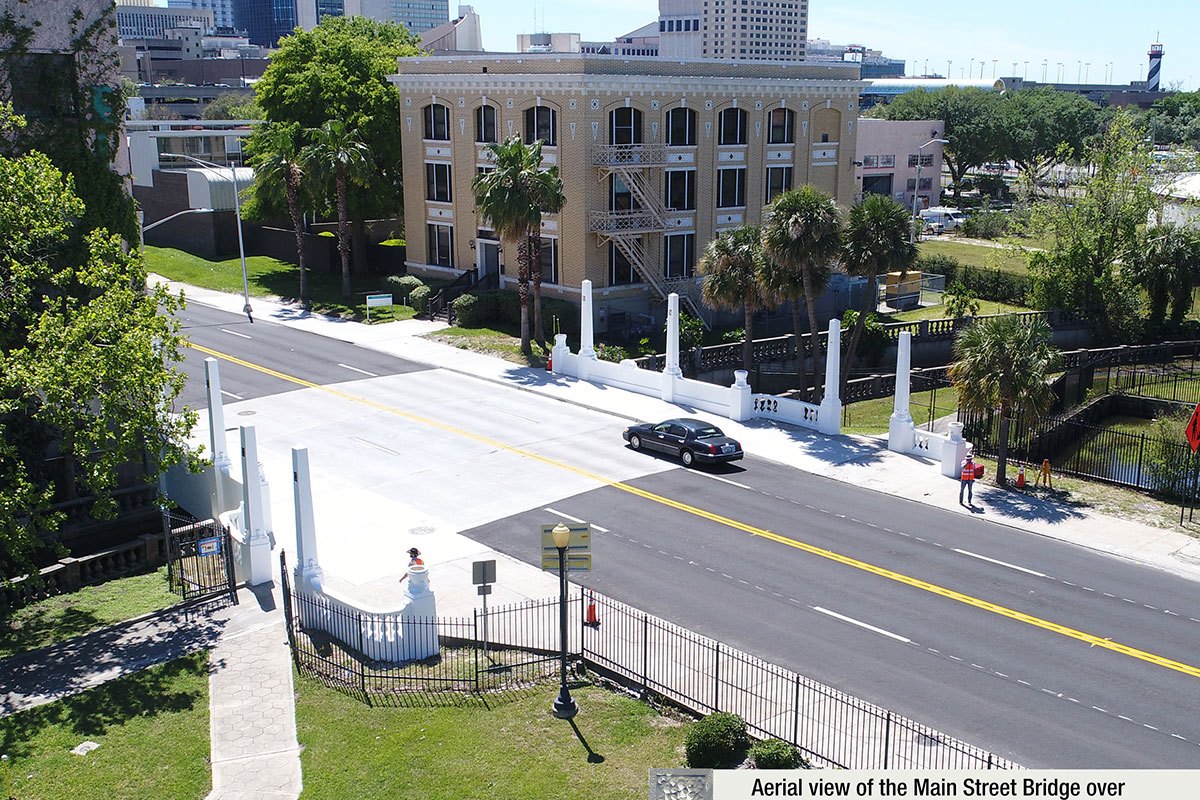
{"points": [[874, 340], [717, 740], [777, 754], [419, 299], [611, 352], [735, 336], [564, 312], [691, 332], [986, 225], [508, 307], [959, 302], [473, 310], [402, 286], [939, 265]]}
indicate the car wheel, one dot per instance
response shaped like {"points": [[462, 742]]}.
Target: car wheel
{"points": [[687, 457], [635, 442]]}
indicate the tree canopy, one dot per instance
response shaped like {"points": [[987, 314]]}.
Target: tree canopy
{"points": [[1040, 126], [85, 358], [339, 70]]}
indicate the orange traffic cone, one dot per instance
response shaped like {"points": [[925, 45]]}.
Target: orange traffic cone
{"points": [[1021, 477], [592, 620]]}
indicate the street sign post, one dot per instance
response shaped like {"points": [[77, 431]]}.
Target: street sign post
{"points": [[579, 550], [483, 575]]}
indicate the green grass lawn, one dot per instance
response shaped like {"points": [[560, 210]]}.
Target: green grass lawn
{"points": [[513, 749], [500, 342], [870, 417], [939, 312], [978, 256], [270, 277], [91, 608], [153, 732]]}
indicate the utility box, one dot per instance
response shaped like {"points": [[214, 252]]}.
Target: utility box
{"points": [[903, 293]]}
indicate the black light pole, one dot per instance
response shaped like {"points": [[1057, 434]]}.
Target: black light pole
{"points": [[564, 705]]}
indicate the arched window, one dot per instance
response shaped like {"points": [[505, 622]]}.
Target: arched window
{"points": [[681, 127], [733, 126], [782, 126], [541, 124], [625, 126], [437, 122], [485, 124]]}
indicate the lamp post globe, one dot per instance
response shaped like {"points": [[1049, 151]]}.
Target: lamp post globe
{"points": [[564, 705]]}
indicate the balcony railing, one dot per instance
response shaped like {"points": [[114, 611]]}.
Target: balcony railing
{"points": [[629, 155], [635, 221]]}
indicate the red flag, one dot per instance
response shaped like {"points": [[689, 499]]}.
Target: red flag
{"points": [[1193, 429]]}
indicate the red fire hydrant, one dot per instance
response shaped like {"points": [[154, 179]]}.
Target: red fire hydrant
{"points": [[1021, 477]]}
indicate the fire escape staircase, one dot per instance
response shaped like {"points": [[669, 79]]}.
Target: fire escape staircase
{"points": [[624, 228]]}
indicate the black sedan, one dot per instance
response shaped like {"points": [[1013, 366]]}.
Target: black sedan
{"points": [[691, 439]]}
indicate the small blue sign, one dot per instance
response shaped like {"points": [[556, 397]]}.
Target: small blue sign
{"points": [[209, 547]]}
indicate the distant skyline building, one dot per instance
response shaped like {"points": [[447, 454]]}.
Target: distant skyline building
{"points": [[222, 10], [733, 30], [152, 22]]}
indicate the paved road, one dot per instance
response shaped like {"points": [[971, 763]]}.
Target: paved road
{"points": [[963, 614]]}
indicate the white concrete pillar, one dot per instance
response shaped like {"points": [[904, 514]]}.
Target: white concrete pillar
{"points": [[216, 436], [829, 420], [901, 430], [256, 547], [672, 367], [559, 354], [587, 344], [308, 566], [954, 451], [741, 397], [418, 638]]}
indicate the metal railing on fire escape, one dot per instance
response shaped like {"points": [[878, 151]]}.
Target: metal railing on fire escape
{"points": [[625, 228]]}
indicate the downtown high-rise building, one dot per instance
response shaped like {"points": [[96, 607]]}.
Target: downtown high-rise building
{"points": [[733, 30], [265, 21]]}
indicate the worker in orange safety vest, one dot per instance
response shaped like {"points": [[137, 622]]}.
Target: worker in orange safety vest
{"points": [[966, 479]]}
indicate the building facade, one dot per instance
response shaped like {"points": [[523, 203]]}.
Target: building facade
{"points": [[153, 22], [222, 10], [734, 30], [896, 158], [656, 158]]}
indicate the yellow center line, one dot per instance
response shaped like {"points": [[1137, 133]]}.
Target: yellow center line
{"points": [[883, 572]]}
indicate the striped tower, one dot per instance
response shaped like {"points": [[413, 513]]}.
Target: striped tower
{"points": [[1154, 77]]}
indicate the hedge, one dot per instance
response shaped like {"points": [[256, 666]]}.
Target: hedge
{"points": [[718, 740], [402, 286], [419, 299], [995, 285]]}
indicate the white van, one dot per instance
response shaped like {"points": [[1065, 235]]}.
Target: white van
{"points": [[949, 218]]}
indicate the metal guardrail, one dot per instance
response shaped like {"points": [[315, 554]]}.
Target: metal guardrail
{"points": [[634, 155]]}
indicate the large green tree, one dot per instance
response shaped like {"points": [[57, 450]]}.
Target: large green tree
{"points": [[1165, 263], [801, 240], [732, 266], [971, 124], [1043, 126], [512, 196], [336, 152], [1094, 229], [86, 355], [339, 71], [1002, 364], [878, 239]]}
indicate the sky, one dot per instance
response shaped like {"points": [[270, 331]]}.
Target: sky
{"points": [[1110, 37]]}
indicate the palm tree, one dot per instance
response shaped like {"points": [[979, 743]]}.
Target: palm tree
{"points": [[732, 266], [274, 151], [1164, 264], [801, 238], [878, 238], [336, 148], [512, 197], [1002, 363]]}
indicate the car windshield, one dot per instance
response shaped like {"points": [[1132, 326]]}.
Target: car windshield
{"points": [[708, 433]]}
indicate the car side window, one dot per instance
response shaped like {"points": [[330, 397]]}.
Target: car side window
{"points": [[678, 430], [663, 428]]}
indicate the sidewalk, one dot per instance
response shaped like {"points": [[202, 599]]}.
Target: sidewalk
{"points": [[863, 461]]}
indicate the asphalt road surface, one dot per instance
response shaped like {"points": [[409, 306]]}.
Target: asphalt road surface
{"points": [[1046, 653]]}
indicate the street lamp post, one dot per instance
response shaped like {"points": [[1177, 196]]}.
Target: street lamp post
{"points": [[564, 705], [912, 233], [237, 210]]}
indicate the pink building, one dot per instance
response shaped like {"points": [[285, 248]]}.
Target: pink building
{"points": [[892, 154]]}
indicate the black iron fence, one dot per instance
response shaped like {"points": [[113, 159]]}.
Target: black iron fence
{"points": [[515, 646]]}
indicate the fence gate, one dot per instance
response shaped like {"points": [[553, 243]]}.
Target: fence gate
{"points": [[199, 558]]}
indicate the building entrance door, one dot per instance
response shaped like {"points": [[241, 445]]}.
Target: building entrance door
{"points": [[487, 257]]}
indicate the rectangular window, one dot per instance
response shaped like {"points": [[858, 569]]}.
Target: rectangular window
{"points": [[779, 180], [540, 126], [926, 184], [926, 159], [782, 127], [437, 122], [437, 182], [441, 244], [549, 259], [679, 254], [681, 127], [680, 190], [731, 187]]}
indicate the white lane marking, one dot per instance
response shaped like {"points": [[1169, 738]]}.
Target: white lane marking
{"points": [[235, 333], [598, 528], [234, 396], [565, 516], [356, 369], [723, 480], [1000, 563], [864, 625]]}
